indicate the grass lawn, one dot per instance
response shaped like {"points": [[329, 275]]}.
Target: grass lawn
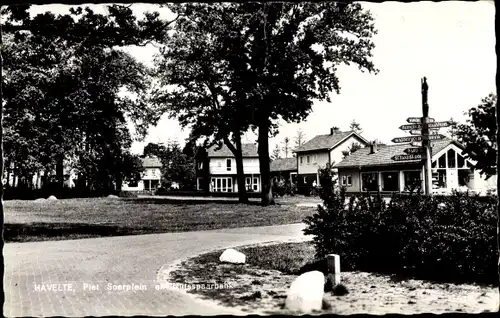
{"points": [[97, 217], [260, 286]]}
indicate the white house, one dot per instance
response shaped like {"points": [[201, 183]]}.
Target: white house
{"points": [[216, 169], [320, 150], [150, 178]]}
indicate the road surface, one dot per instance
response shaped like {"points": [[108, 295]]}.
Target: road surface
{"points": [[73, 278]]}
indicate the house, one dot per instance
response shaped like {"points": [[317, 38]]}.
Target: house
{"points": [[216, 169], [372, 169], [284, 168], [150, 178], [319, 151]]}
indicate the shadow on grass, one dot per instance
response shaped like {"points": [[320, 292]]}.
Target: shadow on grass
{"points": [[17, 232], [187, 201]]}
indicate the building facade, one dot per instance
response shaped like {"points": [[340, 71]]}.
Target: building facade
{"points": [[216, 169], [372, 169], [321, 150], [284, 169], [150, 178]]}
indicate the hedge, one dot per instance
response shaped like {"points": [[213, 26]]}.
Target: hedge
{"points": [[447, 238]]}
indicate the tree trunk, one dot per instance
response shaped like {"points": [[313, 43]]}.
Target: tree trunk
{"points": [[240, 174], [265, 169], [60, 172]]}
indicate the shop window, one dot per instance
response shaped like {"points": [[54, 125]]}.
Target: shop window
{"points": [[369, 181], [390, 181], [412, 181]]}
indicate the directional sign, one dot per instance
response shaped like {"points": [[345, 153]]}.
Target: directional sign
{"points": [[439, 124], [419, 132], [414, 150], [416, 138], [410, 126], [417, 120], [406, 157], [416, 144]]}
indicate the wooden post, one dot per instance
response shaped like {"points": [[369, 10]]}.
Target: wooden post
{"points": [[333, 266], [425, 139]]}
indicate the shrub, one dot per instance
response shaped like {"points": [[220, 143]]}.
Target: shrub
{"points": [[127, 194], [449, 237]]}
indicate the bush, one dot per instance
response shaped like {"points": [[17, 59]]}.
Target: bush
{"points": [[127, 194], [448, 237]]}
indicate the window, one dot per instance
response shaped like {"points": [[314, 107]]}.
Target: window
{"points": [[200, 165], [346, 181], [314, 157], [229, 185], [199, 183], [308, 159], [433, 165], [442, 161], [228, 164], [463, 177], [219, 164], [390, 181], [248, 183], [224, 184], [439, 178], [451, 158], [301, 159], [412, 181], [256, 184], [460, 161], [369, 181]]}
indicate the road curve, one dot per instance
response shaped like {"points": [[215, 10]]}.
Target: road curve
{"points": [[83, 277]]}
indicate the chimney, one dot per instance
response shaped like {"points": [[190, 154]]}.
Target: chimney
{"points": [[334, 130], [373, 147]]}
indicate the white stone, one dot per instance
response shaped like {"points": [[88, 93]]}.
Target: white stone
{"points": [[306, 292], [112, 196], [52, 198], [232, 256]]}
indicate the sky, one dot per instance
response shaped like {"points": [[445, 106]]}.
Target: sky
{"points": [[452, 43]]}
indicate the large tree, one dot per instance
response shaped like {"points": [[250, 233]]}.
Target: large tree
{"points": [[273, 59], [478, 136], [70, 73], [200, 82]]}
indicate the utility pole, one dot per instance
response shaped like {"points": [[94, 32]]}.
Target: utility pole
{"points": [[425, 139]]}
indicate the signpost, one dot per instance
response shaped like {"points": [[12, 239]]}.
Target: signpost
{"points": [[423, 130]]}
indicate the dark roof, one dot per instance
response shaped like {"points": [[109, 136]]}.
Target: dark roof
{"points": [[248, 150], [362, 157], [325, 142], [151, 162], [284, 164]]}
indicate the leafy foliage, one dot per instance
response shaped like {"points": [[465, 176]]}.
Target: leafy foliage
{"points": [[450, 238], [478, 136], [354, 146]]}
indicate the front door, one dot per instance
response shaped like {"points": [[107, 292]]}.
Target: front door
{"points": [[451, 179]]}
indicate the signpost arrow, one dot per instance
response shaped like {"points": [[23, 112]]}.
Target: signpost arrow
{"points": [[439, 124], [410, 126], [416, 144], [406, 157], [407, 139], [414, 151], [437, 137], [417, 120]]}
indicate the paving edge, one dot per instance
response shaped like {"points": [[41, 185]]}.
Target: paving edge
{"points": [[162, 276]]}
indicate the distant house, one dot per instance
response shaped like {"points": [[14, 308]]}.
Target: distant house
{"points": [[372, 169], [319, 151], [216, 169], [284, 168], [150, 178]]}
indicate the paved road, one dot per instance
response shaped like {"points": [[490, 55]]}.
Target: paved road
{"points": [[32, 267]]}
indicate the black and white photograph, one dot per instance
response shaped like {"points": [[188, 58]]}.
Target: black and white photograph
{"points": [[249, 158]]}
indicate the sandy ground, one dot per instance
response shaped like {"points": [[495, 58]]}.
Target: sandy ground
{"points": [[368, 293]]}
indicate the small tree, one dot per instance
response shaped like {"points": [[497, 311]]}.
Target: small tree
{"points": [[356, 127], [276, 153], [286, 146], [478, 136], [354, 146], [300, 139]]}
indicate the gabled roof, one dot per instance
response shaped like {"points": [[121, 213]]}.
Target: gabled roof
{"points": [[284, 164], [151, 162], [248, 150], [327, 142], [383, 156]]}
